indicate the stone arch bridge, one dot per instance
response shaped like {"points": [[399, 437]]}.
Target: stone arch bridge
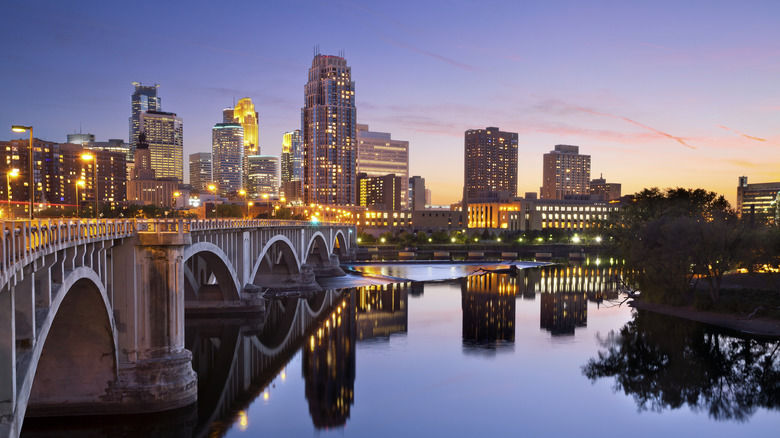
{"points": [[92, 312]]}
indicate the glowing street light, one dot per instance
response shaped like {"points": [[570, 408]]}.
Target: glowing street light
{"points": [[213, 189], [12, 174], [176, 202], [89, 157], [79, 183], [31, 182], [242, 193]]}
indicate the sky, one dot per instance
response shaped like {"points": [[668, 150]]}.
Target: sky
{"points": [[658, 93]]}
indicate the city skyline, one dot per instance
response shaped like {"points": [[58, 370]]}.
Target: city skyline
{"points": [[662, 94]]}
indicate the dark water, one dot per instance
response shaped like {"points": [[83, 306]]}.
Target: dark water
{"points": [[545, 353]]}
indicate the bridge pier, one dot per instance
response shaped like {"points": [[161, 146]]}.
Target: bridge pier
{"points": [[155, 370]]}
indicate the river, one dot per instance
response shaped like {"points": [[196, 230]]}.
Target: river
{"points": [[552, 351]]}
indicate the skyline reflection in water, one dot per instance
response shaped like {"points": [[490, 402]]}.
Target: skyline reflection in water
{"points": [[443, 358]]}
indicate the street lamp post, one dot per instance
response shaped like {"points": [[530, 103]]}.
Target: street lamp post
{"points": [[81, 183], [242, 192], [13, 173], [90, 157], [213, 190], [31, 182], [175, 203]]}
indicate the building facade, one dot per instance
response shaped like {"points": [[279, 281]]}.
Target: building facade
{"points": [[111, 173], [380, 192], [165, 135], [490, 162], [227, 151], [378, 155], [565, 172], [263, 176], [606, 191], [758, 201], [292, 156], [200, 171], [328, 133], [143, 99], [80, 138], [417, 193]]}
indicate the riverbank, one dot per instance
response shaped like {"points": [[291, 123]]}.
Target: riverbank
{"points": [[758, 326]]}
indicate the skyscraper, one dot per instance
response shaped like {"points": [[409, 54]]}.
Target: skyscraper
{"points": [[490, 162], [417, 195], [292, 156], [200, 171], [164, 134], [227, 149], [144, 99], [245, 115], [263, 175], [380, 155], [328, 132], [565, 172]]}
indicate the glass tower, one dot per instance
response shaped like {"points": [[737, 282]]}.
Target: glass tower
{"points": [[144, 99], [292, 156], [227, 143], [164, 134]]}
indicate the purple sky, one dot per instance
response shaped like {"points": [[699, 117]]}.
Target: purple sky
{"points": [[669, 93]]}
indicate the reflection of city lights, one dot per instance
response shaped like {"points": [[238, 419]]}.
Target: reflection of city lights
{"points": [[266, 395], [283, 374], [243, 420]]}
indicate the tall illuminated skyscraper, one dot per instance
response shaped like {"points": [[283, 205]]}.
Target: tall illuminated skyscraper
{"points": [[263, 175], [380, 155], [200, 171], [245, 115], [328, 133], [227, 150], [490, 162], [565, 172], [144, 99], [164, 134]]}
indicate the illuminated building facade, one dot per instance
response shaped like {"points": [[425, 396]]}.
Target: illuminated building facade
{"points": [[144, 188], [379, 155], [490, 162], [111, 176], [200, 171], [328, 133], [292, 156], [758, 201], [165, 135], [245, 115], [81, 138], [380, 192], [417, 195], [227, 150], [606, 191], [144, 99], [565, 172], [263, 176]]}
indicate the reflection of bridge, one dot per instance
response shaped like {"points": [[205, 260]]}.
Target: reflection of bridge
{"points": [[92, 312]]}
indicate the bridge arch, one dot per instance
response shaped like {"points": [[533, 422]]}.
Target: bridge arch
{"points": [[75, 357], [277, 263], [208, 275], [339, 245], [317, 250]]}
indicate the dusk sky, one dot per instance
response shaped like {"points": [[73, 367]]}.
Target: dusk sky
{"points": [[661, 93]]}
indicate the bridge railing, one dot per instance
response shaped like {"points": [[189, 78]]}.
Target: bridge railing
{"points": [[20, 239]]}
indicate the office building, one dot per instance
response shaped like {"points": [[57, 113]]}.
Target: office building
{"points": [[380, 192], [200, 171], [227, 150], [378, 155], [758, 201], [565, 173], [164, 135], [263, 176], [144, 188], [81, 138], [245, 115], [144, 99], [292, 156], [606, 191], [490, 162], [417, 193], [328, 133]]}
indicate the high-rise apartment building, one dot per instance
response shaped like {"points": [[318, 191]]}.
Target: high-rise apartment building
{"points": [[328, 132], [758, 201], [379, 192], [200, 171], [227, 150], [164, 134], [263, 175], [417, 195], [380, 155], [565, 173], [490, 162], [292, 156], [144, 99], [110, 185]]}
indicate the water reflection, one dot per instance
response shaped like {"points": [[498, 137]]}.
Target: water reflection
{"points": [[488, 304], [666, 363]]}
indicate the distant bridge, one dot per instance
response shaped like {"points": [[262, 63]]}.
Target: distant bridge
{"points": [[92, 312]]}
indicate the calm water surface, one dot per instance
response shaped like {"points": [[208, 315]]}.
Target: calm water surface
{"points": [[546, 353]]}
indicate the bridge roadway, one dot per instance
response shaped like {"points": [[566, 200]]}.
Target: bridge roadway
{"points": [[92, 312]]}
